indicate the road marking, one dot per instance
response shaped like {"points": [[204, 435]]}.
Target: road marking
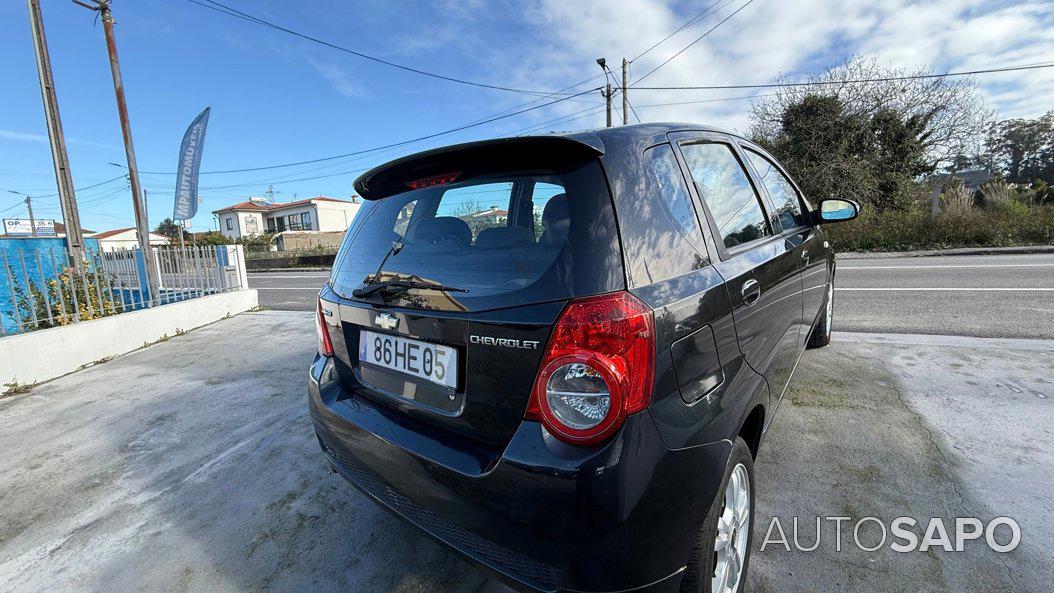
{"points": [[956, 289], [936, 266], [314, 288], [288, 276]]}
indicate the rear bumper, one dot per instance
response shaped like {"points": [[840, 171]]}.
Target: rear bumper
{"points": [[546, 516]]}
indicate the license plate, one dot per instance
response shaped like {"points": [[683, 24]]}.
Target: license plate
{"points": [[431, 362]]}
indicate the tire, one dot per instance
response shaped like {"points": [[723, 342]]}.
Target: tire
{"points": [[821, 332], [699, 575]]}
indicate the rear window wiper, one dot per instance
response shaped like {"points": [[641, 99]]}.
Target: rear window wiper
{"points": [[389, 285]]}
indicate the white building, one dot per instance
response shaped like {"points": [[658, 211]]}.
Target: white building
{"points": [[127, 238], [315, 214]]}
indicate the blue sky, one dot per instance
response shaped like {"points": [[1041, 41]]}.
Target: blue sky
{"points": [[278, 99]]}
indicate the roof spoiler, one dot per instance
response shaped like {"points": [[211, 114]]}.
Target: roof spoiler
{"points": [[474, 157]]}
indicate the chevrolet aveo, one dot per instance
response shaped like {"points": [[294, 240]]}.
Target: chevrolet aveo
{"points": [[558, 355]]}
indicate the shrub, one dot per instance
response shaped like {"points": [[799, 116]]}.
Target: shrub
{"points": [[92, 298], [1015, 224], [996, 193], [956, 198]]}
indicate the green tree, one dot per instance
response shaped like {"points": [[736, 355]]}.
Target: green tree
{"points": [[212, 238], [873, 158], [854, 132], [170, 229], [1023, 149]]}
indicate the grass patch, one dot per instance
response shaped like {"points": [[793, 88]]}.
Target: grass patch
{"points": [[16, 388]]}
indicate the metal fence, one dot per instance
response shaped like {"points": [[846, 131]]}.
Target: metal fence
{"points": [[41, 288]]}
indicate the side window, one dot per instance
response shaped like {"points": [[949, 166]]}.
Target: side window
{"points": [[663, 174], [402, 219], [540, 196], [781, 190], [656, 220], [726, 189]]}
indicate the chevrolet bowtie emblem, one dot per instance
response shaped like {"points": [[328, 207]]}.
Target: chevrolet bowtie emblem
{"points": [[386, 321]]}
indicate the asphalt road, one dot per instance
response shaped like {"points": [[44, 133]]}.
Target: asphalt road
{"points": [[191, 465], [288, 291], [1005, 296]]}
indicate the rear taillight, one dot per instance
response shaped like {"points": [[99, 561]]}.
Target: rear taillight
{"points": [[598, 368], [325, 346]]}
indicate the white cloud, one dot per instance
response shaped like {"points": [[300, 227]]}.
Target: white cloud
{"points": [[770, 37], [12, 135], [338, 77], [27, 137]]}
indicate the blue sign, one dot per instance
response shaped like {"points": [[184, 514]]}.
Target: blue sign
{"points": [[189, 164]]}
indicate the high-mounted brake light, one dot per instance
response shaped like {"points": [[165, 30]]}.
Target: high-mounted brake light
{"points": [[436, 180], [598, 368], [325, 346]]}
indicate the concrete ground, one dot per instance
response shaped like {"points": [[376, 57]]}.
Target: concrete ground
{"points": [[191, 466], [1005, 296]]}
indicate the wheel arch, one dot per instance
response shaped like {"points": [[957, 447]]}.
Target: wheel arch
{"points": [[752, 428]]}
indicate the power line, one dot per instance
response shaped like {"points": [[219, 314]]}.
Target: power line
{"points": [[78, 189], [403, 142], [697, 39], [562, 119], [840, 82], [719, 99], [223, 8], [18, 204], [683, 26], [512, 111]]}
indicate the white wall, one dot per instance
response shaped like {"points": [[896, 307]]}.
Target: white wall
{"points": [[336, 216], [235, 230], [130, 240], [247, 228], [44, 354], [297, 210]]}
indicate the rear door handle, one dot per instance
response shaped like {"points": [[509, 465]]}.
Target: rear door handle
{"points": [[805, 256], [751, 291]]}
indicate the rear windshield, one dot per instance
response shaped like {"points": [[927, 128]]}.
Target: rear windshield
{"points": [[504, 239]]}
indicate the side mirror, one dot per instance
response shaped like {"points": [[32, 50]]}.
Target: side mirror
{"points": [[836, 210]]}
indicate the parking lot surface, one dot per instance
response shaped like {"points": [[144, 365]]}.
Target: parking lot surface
{"points": [[191, 465]]}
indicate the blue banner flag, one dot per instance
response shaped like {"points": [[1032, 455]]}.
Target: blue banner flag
{"points": [[189, 165]]}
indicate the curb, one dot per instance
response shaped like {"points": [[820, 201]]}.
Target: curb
{"points": [[1024, 249]]}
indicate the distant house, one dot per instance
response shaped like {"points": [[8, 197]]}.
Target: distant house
{"points": [[493, 216], [126, 238], [256, 216], [972, 179]]}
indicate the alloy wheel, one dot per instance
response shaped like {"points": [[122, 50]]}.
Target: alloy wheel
{"points": [[830, 306], [733, 533]]}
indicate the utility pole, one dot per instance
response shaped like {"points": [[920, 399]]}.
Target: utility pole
{"points": [[606, 91], [138, 198], [32, 221], [29, 206], [63, 178], [607, 96], [625, 92]]}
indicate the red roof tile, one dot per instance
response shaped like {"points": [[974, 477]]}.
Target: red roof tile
{"points": [[247, 205], [107, 234]]}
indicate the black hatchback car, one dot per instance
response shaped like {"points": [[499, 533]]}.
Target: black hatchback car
{"points": [[558, 355]]}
